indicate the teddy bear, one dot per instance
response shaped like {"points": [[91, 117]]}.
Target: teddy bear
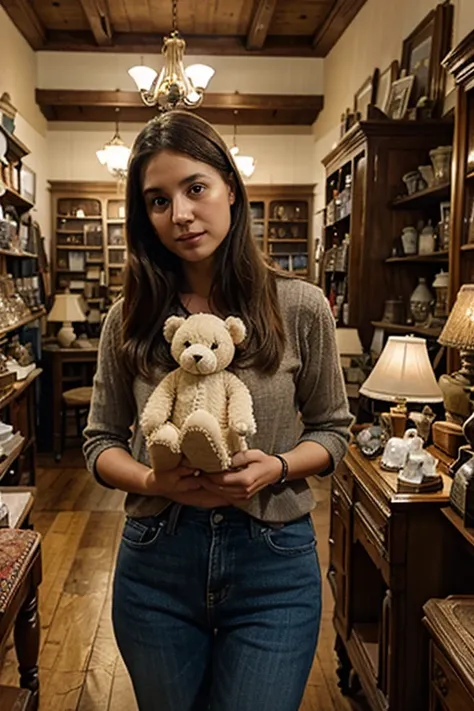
{"points": [[200, 410]]}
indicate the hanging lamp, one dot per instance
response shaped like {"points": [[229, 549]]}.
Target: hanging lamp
{"points": [[175, 86], [245, 164], [115, 154]]}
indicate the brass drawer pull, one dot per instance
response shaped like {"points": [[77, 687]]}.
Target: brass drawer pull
{"points": [[440, 679]]}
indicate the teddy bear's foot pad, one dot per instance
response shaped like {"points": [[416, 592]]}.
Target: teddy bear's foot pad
{"points": [[162, 459], [202, 453]]}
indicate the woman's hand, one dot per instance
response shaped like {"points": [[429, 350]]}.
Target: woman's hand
{"points": [[255, 471], [183, 486]]}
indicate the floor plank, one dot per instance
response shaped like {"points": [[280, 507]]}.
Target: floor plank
{"points": [[80, 668]]}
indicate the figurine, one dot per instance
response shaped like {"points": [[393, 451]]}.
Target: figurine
{"points": [[423, 421], [370, 441], [396, 451]]}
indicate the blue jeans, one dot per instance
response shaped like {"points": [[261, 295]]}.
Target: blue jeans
{"points": [[214, 610]]}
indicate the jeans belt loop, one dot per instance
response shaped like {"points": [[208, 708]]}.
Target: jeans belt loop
{"points": [[173, 517]]}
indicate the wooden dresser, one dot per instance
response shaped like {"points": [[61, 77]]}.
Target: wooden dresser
{"points": [[450, 623], [387, 554]]}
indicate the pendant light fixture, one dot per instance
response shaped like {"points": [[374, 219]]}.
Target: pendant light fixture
{"points": [[245, 164], [115, 154], [175, 86]]}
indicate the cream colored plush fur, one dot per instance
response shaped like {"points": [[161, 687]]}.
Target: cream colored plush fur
{"points": [[200, 410]]}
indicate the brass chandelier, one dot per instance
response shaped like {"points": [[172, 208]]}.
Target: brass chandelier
{"points": [[175, 86]]}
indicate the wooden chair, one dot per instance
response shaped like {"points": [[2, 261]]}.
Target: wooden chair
{"points": [[20, 576], [79, 400]]}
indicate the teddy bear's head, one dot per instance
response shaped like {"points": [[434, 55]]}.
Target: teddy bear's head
{"points": [[202, 343]]}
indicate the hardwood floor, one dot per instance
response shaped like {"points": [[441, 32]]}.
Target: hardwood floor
{"points": [[80, 669]]}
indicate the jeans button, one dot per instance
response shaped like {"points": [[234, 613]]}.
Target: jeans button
{"points": [[217, 518]]}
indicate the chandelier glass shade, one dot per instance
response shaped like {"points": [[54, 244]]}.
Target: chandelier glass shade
{"points": [[245, 164], [115, 155], [175, 86]]}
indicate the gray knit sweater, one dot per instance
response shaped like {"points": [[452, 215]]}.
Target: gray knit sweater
{"points": [[304, 401]]}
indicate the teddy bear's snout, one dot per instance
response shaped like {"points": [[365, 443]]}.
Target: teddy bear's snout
{"points": [[197, 357]]}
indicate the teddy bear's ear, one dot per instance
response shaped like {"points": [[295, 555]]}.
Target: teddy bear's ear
{"points": [[171, 326], [236, 328]]}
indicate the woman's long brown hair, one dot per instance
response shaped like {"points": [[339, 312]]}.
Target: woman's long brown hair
{"points": [[244, 284]]}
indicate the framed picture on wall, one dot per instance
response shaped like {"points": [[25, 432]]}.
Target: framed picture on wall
{"points": [[28, 184], [422, 53], [399, 98], [366, 95], [386, 79]]}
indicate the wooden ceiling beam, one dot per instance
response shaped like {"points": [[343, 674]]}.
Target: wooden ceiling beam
{"points": [[146, 42], [260, 24], [339, 17], [23, 15], [98, 17], [253, 109]]}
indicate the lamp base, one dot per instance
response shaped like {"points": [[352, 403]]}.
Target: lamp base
{"points": [[66, 335], [398, 420]]}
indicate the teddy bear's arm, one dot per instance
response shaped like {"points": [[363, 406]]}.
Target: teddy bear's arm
{"points": [[240, 406], [159, 407]]}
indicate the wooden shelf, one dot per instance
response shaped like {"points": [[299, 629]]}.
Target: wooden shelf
{"points": [[12, 197], [115, 220], [19, 387], [78, 247], [440, 256], [12, 450], [24, 322], [79, 231], [339, 221], [75, 217], [20, 255], [275, 219], [467, 247], [470, 175], [368, 638], [286, 241], [16, 150], [424, 197], [405, 329]]}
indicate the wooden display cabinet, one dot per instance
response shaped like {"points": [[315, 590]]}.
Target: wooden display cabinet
{"points": [[282, 224], [363, 205], [386, 561], [460, 63]]}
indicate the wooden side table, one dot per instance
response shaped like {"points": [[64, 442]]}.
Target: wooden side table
{"points": [[20, 576], [450, 623]]}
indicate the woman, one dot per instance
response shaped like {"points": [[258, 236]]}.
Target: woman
{"points": [[217, 592]]}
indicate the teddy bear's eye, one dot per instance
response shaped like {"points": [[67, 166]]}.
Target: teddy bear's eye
{"points": [[214, 346], [187, 344]]}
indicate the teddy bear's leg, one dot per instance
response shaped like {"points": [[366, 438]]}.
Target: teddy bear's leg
{"points": [[163, 448], [203, 444]]}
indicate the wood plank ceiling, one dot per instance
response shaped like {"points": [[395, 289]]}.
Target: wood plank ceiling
{"points": [[298, 28], [294, 28]]}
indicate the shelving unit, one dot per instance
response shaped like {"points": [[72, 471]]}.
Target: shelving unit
{"points": [[460, 63], [84, 256], [366, 211], [282, 224]]}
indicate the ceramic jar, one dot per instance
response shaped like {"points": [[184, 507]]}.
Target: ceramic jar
{"points": [[427, 240], [427, 173], [440, 285], [441, 159], [413, 182], [420, 303], [409, 240]]}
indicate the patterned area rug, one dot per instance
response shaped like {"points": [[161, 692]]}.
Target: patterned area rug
{"points": [[16, 550]]}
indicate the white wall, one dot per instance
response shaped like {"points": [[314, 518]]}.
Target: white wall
{"points": [[281, 158], [268, 75]]}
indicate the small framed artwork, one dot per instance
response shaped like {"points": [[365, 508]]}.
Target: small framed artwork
{"points": [[366, 96], [423, 52], [386, 79], [28, 184], [399, 97]]}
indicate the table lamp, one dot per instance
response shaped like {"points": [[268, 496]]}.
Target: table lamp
{"points": [[402, 374], [458, 332], [66, 309]]}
